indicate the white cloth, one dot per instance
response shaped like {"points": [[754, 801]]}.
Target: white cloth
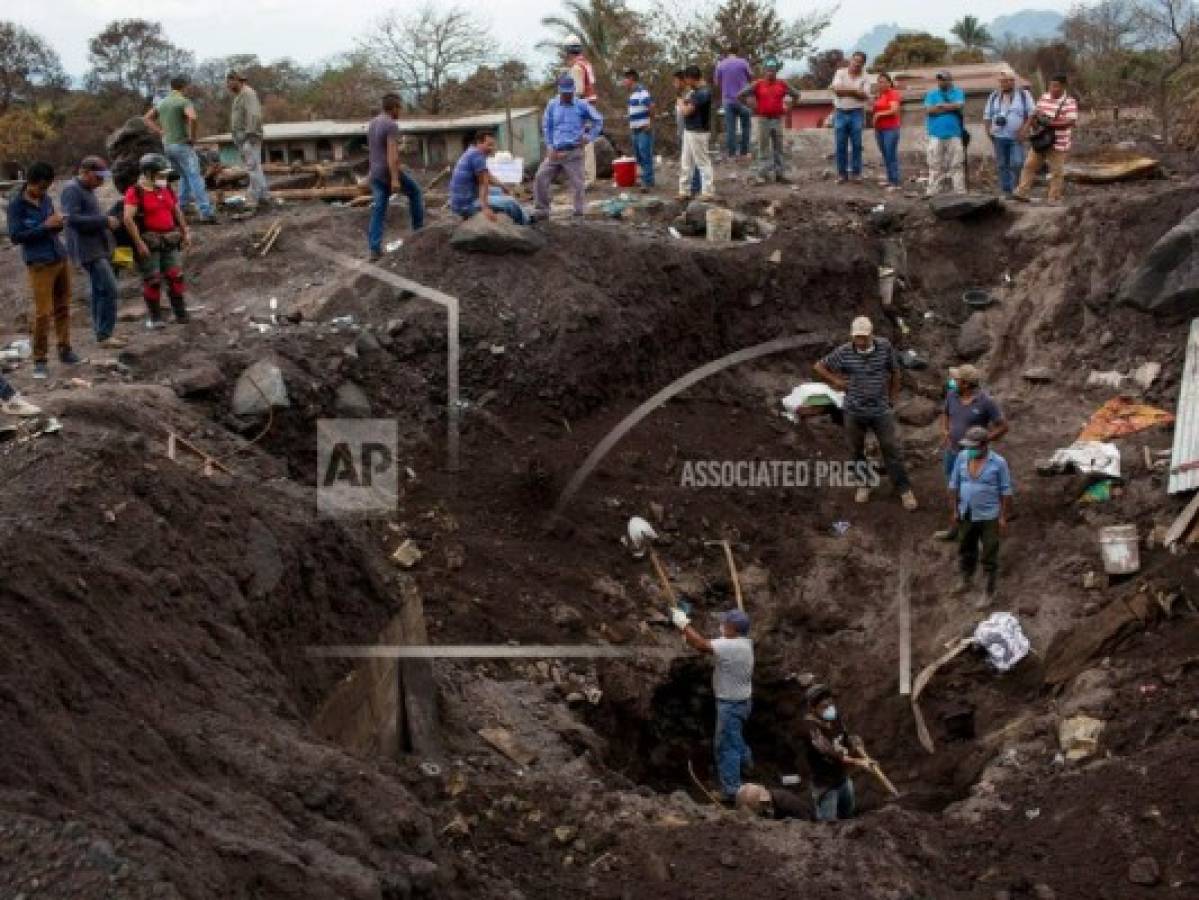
{"points": [[804, 393], [1089, 458], [733, 674], [696, 156], [1002, 637]]}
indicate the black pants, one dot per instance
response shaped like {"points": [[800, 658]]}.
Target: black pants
{"points": [[883, 426], [972, 536]]}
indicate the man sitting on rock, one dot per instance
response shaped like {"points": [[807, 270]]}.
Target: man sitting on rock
{"points": [[472, 189]]}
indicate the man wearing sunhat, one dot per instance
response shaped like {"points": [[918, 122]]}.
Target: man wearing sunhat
{"points": [[569, 125], [943, 107], [732, 683], [90, 240], [981, 488], [769, 95], [867, 370]]}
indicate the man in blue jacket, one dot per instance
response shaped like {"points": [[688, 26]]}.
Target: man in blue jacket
{"points": [[89, 244], [37, 228], [568, 126]]}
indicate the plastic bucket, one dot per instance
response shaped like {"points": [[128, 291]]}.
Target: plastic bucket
{"points": [[1120, 548], [624, 171], [886, 285], [720, 224]]}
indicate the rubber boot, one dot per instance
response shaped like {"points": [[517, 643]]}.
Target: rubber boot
{"points": [[992, 585], [179, 308], [153, 314]]}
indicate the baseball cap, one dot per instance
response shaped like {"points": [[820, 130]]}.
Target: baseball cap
{"points": [[96, 164], [737, 619], [861, 327], [974, 436], [944, 75], [566, 84], [771, 63], [967, 373]]}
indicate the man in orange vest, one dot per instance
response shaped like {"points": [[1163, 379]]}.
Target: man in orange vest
{"points": [[583, 74]]}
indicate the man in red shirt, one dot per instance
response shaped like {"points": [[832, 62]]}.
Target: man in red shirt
{"points": [[768, 98], [159, 233]]}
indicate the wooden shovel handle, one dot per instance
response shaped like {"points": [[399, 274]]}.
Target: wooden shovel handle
{"points": [[662, 577]]}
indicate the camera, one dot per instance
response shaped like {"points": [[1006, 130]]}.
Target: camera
{"points": [[1000, 121]]}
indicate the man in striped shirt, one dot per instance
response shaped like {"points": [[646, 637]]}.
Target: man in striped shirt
{"points": [[867, 370], [641, 131], [1057, 111]]}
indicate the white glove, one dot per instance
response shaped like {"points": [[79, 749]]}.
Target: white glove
{"points": [[679, 618]]}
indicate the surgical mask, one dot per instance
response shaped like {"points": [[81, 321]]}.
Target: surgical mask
{"points": [[975, 452], [829, 714], [160, 183], [952, 385]]}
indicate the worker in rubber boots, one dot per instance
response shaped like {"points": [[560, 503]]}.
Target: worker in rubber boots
{"points": [[732, 683], [831, 752], [981, 488], [867, 370], [160, 235], [966, 405]]}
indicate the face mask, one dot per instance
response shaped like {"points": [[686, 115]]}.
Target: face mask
{"points": [[160, 183], [952, 385], [830, 714], [868, 349], [975, 452]]}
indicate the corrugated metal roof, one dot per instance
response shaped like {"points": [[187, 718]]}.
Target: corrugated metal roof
{"points": [[330, 128], [1186, 425]]}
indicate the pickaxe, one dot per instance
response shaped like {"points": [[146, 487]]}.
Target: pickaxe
{"points": [[728, 555]]}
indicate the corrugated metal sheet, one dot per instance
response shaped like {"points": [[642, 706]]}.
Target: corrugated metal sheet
{"points": [[1186, 425], [329, 128]]}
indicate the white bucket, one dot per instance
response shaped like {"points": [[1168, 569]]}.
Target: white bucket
{"points": [[720, 224], [1120, 548], [886, 285]]}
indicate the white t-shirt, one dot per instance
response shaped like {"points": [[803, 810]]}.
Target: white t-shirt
{"points": [[843, 81], [733, 674]]}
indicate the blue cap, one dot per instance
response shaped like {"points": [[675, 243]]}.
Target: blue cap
{"points": [[737, 619], [566, 84]]}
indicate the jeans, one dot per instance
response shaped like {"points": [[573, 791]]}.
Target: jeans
{"points": [[251, 158], [643, 152], [51, 286], [732, 753], [847, 132], [976, 535], [103, 297], [696, 156], [572, 164], [735, 114], [883, 426], [888, 146], [381, 197], [501, 203], [834, 803], [191, 182], [6, 390], [1009, 159], [770, 149]]}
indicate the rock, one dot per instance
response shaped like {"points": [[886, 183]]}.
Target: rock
{"points": [[1079, 736], [407, 555], [351, 402], [367, 342], [101, 856], [605, 154], [1107, 339], [199, 380], [566, 616], [260, 388], [1167, 280], [394, 326], [607, 586], [1039, 374], [917, 411], [1145, 870], [975, 338], [729, 860], [964, 206], [1043, 891], [478, 235]]}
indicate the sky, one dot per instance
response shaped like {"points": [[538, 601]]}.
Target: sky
{"points": [[310, 33]]}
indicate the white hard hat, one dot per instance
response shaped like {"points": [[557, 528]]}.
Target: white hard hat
{"points": [[572, 40]]}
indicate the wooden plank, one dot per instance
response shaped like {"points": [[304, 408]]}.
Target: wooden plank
{"points": [[1183, 522], [502, 740], [418, 688]]}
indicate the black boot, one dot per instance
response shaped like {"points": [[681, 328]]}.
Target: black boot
{"points": [[992, 584], [179, 308], [153, 314]]}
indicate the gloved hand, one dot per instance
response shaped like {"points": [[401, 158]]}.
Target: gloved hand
{"points": [[679, 618]]}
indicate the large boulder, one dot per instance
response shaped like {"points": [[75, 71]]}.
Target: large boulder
{"points": [[963, 206], [975, 337], [260, 388], [605, 153], [479, 235], [1167, 280]]}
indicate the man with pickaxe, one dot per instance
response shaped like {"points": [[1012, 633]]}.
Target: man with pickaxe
{"points": [[831, 751]]}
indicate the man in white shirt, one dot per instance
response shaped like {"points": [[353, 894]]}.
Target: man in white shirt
{"points": [[732, 683], [851, 89]]}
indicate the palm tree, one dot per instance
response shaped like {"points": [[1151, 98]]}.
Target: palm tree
{"points": [[604, 27], [972, 33]]}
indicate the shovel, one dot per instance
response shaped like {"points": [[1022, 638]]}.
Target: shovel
{"points": [[641, 537]]}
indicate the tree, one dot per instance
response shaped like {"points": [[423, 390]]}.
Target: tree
{"points": [[614, 37], [821, 69], [489, 87], [972, 33], [21, 132], [908, 51], [420, 50], [1171, 28], [348, 87], [134, 55], [28, 65], [755, 30]]}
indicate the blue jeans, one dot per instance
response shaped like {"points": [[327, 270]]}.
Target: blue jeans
{"points": [[191, 181], [731, 750], [888, 146], [643, 152], [834, 803], [103, 296], [381, 194], [501, 203], [735, 113], [1009, 158], [6, 390], [847, 132]]}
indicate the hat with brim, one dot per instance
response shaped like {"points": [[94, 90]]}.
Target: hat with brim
{"points": [[975, 437], [966, 373], [566, 85], [96, 165], [861, 327]]}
